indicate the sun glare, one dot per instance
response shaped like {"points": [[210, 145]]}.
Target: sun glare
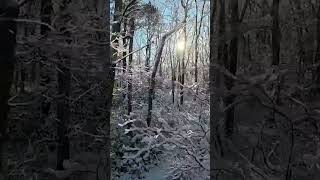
{"points": [[180, 45]]}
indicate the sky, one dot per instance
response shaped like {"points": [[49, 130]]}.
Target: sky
{"points": [[170, 14]]}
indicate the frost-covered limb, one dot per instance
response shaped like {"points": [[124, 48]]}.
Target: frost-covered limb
{"points": [[250, 165], [267, 159], [140, 151]]}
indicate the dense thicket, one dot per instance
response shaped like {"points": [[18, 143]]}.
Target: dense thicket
{"points": [[219, 89]]}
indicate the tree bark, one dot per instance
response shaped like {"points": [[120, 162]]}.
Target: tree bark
{"points": [[276, 45], [185, 6], [275, 33], [124, 42], [132, 26], [148, 55], [64, 89], [46, 12], [232, 67], [198, 33], [317, 57], [108, 56], [173, 80], [215, 84], [108, 84], [196, 53], [116, 28], [45, 15], [173, 74], [8, 9], [300, 44]]}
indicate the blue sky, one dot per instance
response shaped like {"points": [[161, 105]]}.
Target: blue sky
{"points": [[168, 10]]}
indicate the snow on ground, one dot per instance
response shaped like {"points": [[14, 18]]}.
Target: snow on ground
{"points": [[156, 173]]}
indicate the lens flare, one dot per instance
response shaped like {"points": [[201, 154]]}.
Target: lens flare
{"points": [[180, 45]]}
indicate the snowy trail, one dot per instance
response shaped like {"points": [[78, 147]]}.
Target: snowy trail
{"points": [[156, 173]]}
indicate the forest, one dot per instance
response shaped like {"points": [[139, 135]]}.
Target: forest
{"points": [[159, 89]]}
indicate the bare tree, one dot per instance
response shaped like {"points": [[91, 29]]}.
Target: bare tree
{"points": [[132, 26], [317, 57], [64, 89], [8, 9], [151, 20], [216, 114], [182, 63], [231, 65], [108, 85], [275, 33], [198, 28], [155, 70], [45, 14], [276, 36], [125, 44]]}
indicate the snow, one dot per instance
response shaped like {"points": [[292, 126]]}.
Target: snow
{"points": [[156, 173]]}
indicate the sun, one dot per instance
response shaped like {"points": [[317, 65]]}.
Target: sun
{"points": [[180, 45]]}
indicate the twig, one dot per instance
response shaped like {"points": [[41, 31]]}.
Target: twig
{"points": [[23, 2], [29, 21], [130, 54], [85, 93]]}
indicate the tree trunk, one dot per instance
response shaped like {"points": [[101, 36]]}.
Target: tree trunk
{"points": [[196, 53], [249, 49], [215, 85], [64, 89], [317, 57], [300, 45], [46, 12], [63, 110], [132, 26], [45, 15], [108, 84], [173, 73], [108, 56], [154, 72], [160, 69], [232, 67], [173, 80], [148, 55], [275, 33], [124, 42], [116, 28], [198, 32], [276, 44], [185, 6], [8, 9]]}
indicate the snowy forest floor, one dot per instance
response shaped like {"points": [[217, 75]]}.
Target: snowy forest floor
{"points": [[158, 172]]}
